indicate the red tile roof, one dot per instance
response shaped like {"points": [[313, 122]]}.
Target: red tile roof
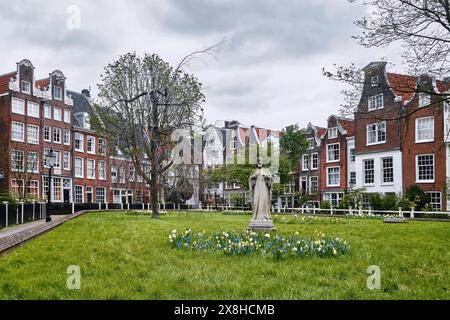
{"points": [[43, 83], [4, 81], [403, 86], [321, 132], [442, 86]]}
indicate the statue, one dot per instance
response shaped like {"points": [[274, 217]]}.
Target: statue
{"points": [[260, 183]]}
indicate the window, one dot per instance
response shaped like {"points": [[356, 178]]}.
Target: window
{"points": [[91, 169], [424, 99], [17, 187], [18, 133], [17, 161], [313, 185], [67, 116], [25, 87], [333, 197], [376, 102], [233, 144], [314, 161], [79, 142], [66, 161], [67, 137], [100, 195], [57, 93], [387, 168], [333, 152], [89, 194], [47, 131], [369, 171], [131, 173], [352, 180], [138, 196], [79, 194], [305, 162], [79, 167], [45, 188], [374, 81], [424, 129], [102, 169], [33, 110], [56, 135], [333, 177], [376, 133], [435, 200], [121, 175], [33, 162], [332, 133], [114, 174], [47, 111], [310, 143], [32, 134], [101, 146], [33, 189], [18, 106], [58, 159], [91, 144], [352, 155], [425, 168], [57, 189], [304, 184], [57, 114]]}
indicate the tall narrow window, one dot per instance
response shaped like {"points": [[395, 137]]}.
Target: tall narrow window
{"points": [[25, 87], [17, 161], [425, 168], [47, 111], [333, 177], [33, 110], [57, 93], [333, 153], [79, 142], [33, 162], [79, 167], [314, 161], [305, 162], [47, 134], [387, 166], [425, 129], [32, 134], [91, 144], [369, 171], [57, 114], [18, 131], [56, 135], [91, 169]]}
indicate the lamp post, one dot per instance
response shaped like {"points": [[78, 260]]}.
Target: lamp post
{"points": [[50, 160]]}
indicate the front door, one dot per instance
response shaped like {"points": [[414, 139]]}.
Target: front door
{"points": [[66, 195], [89, 197]]}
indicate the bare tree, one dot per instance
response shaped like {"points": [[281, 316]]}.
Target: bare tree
{"points": [[423, 29], [143, 100]]}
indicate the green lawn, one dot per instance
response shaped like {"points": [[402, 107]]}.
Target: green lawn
{"points": [[124, 256]]}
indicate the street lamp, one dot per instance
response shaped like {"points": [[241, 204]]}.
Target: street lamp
{"points": [[50, 160]]}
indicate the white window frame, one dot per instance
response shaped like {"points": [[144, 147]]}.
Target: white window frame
{"points": [[114, 178], [310, 143], [67, 168], [66, 116], [92, 138], [77, 134], [77, 187], [47, 111], [90, 169], [350, 178], [58, 90], [364, 172], [351, 155], [15, 103], [36, 168], [432, 204], [33, 110], [50, 132], [332, 133], [377, 130], [328, 177], [424, 99], [57, 118], [55, 131], [374, 81], [373, 101], [14, 166], [36, 136], [382, 171], [328, 151], [417, 169], [310, 185], [101, 146], [102, 170], [305, 162], [314, 155], [28, 90], [78, 175], [17, 136], [66, 134], [417, 130]]}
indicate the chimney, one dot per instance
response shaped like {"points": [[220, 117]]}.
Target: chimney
{"points": [[86, 93]]}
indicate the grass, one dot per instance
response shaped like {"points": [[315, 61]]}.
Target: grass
{"points": [[126, 256]]}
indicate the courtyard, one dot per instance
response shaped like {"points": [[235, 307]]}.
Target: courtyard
{"points": [[128, 256]]}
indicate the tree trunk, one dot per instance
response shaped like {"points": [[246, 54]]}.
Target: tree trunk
{"points": [[154, 161]]}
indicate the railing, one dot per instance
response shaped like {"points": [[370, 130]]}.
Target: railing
{"points": [[20, 213]]}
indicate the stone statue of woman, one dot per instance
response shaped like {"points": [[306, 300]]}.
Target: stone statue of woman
{"points": [[260, 183]]}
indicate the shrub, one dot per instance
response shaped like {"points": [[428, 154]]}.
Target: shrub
{"points": [[416, 197], [325, 205]]}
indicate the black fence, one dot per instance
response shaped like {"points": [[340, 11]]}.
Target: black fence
{"points": [[12, 214]]}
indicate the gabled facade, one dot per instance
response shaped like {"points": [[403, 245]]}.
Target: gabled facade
{"points": [[333, 156]]}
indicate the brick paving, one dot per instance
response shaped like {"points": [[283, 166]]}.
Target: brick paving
{"points": [[13, 236]]}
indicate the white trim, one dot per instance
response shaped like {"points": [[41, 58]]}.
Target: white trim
{"points": [[416, 131], [339, 149], [317, 154], [417, 168], [305, 156], [377, 137], [327, 173]]}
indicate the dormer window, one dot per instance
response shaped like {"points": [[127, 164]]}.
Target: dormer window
{"points": [[332, 133], [376, 102], [25, 87], [424, 99], [374, 81], [310, 143], [57, 93]]}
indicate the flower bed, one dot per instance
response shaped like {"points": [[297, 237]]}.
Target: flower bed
{"points": [[302, 219], [247, 243]]}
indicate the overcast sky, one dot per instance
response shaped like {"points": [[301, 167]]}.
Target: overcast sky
{"points": [[268, 73]]}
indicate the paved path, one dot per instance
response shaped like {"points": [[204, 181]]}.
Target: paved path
{"points": [[13, 236]]}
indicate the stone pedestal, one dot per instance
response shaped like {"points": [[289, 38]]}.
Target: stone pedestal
{"points": [[261, 226]]}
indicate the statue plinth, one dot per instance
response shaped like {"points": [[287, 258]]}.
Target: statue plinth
{"points": [[261, 226]]}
